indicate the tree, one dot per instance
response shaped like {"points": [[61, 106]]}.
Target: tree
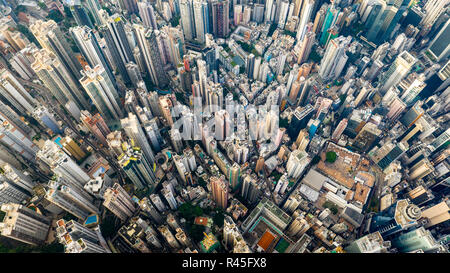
{"points": [[272, 29], [55, 15], [283, 122], [332, 207], [68, 12], [25, 31], [202, 182], [314, 56], [42, 5], [276, 175], [107, 10], [180, 97], [315, 160], [20, 8], [290, 33], [331, 156], [218, 217], [196, 232], [175, 21], [69, 216], [189, 212]]}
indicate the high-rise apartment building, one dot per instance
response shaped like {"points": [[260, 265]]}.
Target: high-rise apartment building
{"points": [[134, 131], [148, 46], [15, 93], [298, 160], [71, 199], [52, 39], [56, 78], [101, 90], [23, 224], [119, 202], [334, 60], [96, 125], [113, 30], [219, 191], [220, 10], [61, 164], [17, 141], [137, 167], [397, 71], [77, 238]]}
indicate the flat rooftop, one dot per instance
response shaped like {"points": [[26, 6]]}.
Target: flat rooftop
{"points": [[314, 179]]}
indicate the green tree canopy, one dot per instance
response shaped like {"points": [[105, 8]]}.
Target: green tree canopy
{"points": [[283, 122], [315, 159], [219, 217], [331, 156], [189, 212], [196, 232], [55, 15]]}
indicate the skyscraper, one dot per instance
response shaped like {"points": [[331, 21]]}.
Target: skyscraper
{"points": [[339, 129], [329, 21], [234, 176], [119, 202], [398, 217], [11, 116], [148, 46], [397, 71], [128, 6], [17, 177], [366, 137], [101, 90], [298, 160], [282, 13], [77, 238], [305, 16], [12, 193], [187, 19], [134, 131], [389, 153], [417, 239], [371, 243], [439, 47], [220, 18], [335, 58], [81, 16], [300, 119], [15, 93], [147, 14], [94, 7], [47, 119], [23, 224], [219, 191], [61, 164], [269, 11], [17, 141], [113, 30], [137, 168], [432, 11], [71, 199], [57, 79], [201, 19], [96, 125], [87, 41], [52, 39], [305, 46]]}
